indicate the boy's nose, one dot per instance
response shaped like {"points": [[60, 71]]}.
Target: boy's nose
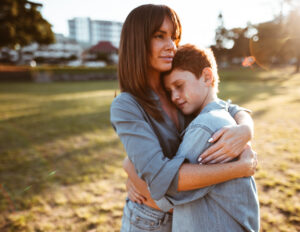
{"points": [[175, 96]]}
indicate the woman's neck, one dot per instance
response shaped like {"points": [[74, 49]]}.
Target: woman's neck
{"points": [[154, 82]]}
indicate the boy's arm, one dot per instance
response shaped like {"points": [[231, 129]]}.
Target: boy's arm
{"points": [[194, 142], [230, 140]]}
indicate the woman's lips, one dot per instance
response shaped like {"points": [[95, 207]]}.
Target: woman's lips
{"points": [[167, 58]]}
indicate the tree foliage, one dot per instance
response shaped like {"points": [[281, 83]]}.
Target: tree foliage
{"points": [[267, 46], [293, 35], [274, 42], [21, 23]]}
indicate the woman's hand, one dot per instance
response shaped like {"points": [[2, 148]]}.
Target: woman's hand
{"points": [[133, 194], [248, 162], [230, 142]]}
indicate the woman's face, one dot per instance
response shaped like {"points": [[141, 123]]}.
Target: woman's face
{"points": [[162, 47]]}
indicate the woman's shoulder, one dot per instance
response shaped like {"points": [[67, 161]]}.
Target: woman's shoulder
{"points": [[125, 101], [125, 106], [124, 97]]}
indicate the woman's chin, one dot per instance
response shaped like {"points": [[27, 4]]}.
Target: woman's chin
{"points": [[166, 68]]}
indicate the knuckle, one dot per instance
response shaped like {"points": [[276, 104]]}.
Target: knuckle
{"points": [[226, 150]]}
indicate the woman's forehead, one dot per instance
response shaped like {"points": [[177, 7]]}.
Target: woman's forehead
{"points": [[167, 25]]}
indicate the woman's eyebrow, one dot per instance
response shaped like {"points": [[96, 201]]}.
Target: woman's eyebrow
{"points": [[161, 31]]}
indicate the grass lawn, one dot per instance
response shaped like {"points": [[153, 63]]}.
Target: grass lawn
{"points": [[60, 160]]}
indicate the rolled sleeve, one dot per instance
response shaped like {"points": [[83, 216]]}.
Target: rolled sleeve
{"points": [[142, 146], [233, 109]]}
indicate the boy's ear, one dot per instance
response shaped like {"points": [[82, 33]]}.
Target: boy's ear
{"points": [[208, 76]]}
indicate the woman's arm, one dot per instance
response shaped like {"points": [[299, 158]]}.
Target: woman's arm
{"points": [[142, 145], [194, 176]]}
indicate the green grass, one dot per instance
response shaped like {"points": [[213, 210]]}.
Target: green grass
{"points": [[61, 162], [81, 69]]}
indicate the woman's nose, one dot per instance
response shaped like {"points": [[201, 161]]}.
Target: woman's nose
{"points": [[171, 44]]}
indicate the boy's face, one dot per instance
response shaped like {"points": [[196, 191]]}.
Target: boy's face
{"points": [[186, 91]]}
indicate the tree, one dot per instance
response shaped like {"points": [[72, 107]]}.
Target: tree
{"points": [[267, 45], [21, 23], [220, 48], [278, 40], [231, 43], [221, 33], [240, 39], [293, 36]]}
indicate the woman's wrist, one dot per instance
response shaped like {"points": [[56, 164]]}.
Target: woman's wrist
{"points": [[239, 167]]}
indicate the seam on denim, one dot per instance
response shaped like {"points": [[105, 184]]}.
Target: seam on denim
{"points": [[148, 213], [207, 129]]}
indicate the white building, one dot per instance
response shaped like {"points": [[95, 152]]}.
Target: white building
{"points": [[90, 32], [63, 49]]}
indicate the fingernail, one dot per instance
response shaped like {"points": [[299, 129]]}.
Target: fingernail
{"points": [[199, 159], [211, 139]]}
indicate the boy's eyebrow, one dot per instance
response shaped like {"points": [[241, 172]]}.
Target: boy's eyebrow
{"points": [[178, 80]]}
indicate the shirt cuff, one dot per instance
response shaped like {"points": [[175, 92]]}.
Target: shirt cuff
{"points": [[164, 204], [233, 109], [166, 176]]}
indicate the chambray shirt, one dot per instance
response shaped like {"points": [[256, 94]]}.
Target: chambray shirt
{"points": [[150, 144], [229, 206]]}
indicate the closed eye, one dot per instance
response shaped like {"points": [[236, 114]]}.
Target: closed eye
{"points": [[178, 86]]}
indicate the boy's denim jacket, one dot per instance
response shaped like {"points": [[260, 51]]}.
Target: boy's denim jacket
{"points": [[229, 206]]}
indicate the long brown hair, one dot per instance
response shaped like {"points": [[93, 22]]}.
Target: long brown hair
{"points": [[138, 29]]}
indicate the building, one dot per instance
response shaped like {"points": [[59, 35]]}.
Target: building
{"points": [[63, 50], [104, 51], [90, 32]]}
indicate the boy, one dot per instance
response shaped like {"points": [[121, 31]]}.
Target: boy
{"points": [[232, 206]]}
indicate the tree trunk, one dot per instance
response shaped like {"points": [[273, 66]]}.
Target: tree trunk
{"points": [[298, 64], [20, 56]]}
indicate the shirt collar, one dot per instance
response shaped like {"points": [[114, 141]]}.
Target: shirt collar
{"points": [[153, 95], [218, 104]]}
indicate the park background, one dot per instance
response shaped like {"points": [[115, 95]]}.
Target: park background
{"points": [[61, 161]]}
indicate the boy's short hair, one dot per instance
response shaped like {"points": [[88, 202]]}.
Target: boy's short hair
{"points": [[193, 59]]}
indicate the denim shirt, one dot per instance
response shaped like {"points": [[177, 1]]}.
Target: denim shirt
{"points": [[150, 144], [232, 205]]}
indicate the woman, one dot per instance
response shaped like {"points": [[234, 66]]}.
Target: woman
{"points": [[149, 125]]}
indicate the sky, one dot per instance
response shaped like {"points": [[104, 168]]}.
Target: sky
{"points": [[198, 17]]}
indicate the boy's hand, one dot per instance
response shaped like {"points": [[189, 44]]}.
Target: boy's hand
{"points": [[248, 160], [230, 142]]}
